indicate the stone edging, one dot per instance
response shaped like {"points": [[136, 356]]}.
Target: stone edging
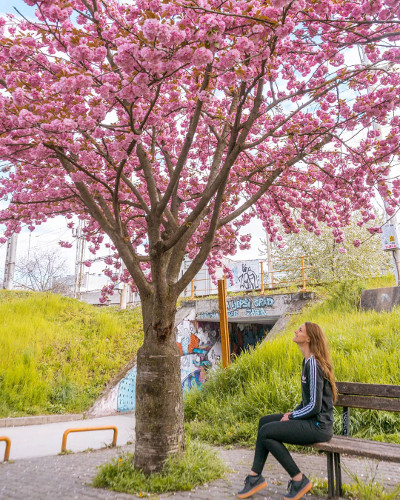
{"points": [[40, 419]]}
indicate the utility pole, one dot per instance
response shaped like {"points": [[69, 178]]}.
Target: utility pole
{"points": [[9, 267], [270, 266], [79, 257], [391, 221], [124, 291]]}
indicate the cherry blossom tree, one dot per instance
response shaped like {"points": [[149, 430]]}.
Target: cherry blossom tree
{"points": [[169, 124], [358, 256]]}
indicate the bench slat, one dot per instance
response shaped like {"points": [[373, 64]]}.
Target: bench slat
{"points": [[361, 389], [370, 403], [361, 447]]}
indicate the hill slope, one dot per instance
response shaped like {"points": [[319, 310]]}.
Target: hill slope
{"points": [[57, 353]]}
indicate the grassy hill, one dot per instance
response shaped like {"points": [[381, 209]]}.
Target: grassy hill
{"points": [[57, 353], [365, 347]]}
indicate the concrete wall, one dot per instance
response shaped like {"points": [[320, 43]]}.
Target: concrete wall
{"points": [[381, 299], [255, 309]]}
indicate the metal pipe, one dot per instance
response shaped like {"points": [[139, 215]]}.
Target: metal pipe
{"points": [[85, 429], [8, 446]]}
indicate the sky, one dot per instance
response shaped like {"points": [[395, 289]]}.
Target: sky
{"points": [[7, 7]]}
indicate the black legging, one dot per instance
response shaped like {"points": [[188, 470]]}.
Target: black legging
{"points": [[272, 433]]}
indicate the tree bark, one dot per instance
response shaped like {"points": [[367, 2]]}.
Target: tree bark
{"points": [[159, 400]]}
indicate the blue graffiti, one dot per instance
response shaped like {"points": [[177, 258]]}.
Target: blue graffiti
{"points": [[191, 381], [242, 303], [210, 314], [126, 400], [256, 312], [263, 302]]}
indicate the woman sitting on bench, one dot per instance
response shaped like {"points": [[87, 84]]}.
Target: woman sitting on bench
{"points": [[310, 422]]}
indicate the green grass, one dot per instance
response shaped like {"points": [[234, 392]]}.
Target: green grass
{"points": [[57, 353], [200, 464], [361, 488], [365, 347]]}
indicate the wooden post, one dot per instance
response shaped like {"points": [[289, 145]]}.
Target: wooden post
{"points": [[303, 274], [262, 277], [192, 289], [223, 321]]}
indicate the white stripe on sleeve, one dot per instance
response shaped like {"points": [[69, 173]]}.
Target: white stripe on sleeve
{"points": [[313, 391]]}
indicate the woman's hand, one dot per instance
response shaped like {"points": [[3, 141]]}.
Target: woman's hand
{"points": [[286, 416]]}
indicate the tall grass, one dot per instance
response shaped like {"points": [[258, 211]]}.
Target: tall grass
{"points": [[56, 354], [364, 345]]}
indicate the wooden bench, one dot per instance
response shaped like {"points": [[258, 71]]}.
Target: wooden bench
{"points": [[366, 396]]}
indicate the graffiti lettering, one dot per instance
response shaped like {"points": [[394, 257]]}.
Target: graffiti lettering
{"points": [[263, 302], [256, 312], [209, 314], [242, 303]]}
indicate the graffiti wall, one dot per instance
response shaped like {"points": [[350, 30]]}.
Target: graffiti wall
{"points": [[246, 276], [238, 307], [200, 350], [127, 392]]}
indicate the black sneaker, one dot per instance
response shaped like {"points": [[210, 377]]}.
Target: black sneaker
{"points": [[252, 484], [298, 489]]}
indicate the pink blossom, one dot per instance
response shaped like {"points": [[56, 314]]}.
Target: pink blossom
{"points": [[151, 28], [202, 56], [65, 244], [18, 52]]}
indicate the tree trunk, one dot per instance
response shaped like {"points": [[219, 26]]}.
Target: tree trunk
{"points": [[159, 401]]}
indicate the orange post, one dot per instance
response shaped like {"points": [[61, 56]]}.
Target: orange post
{"points": [[8, 446], [192, 289], [84, 429], [303, 274], [262, 277], [223, 321]]}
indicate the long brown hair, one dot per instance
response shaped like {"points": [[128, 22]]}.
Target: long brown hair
{"points": [[319, 347]]}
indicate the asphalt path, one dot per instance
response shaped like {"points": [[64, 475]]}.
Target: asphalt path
{"points": [[45, 439]]}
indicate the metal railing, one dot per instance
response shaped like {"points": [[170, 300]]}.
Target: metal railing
{"points": [[276, 274], [8, 446], [84, 429]]}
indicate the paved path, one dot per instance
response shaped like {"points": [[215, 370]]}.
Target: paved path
{"points": [[42, 440], [68, 477]]}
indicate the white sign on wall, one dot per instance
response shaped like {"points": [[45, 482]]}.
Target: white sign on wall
{"points": [[246, 276], [390, 237]]}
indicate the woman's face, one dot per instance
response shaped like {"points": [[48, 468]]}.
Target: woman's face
{"points": [[300, 335]]}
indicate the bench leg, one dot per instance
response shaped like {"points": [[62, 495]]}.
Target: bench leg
{"points": [[338, 475], [331, 475]]}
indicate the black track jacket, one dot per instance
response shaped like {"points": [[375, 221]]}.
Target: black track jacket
{"points": [[316, 392]]}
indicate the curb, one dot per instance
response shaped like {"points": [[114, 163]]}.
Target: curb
{"points": [[39, 419]]}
